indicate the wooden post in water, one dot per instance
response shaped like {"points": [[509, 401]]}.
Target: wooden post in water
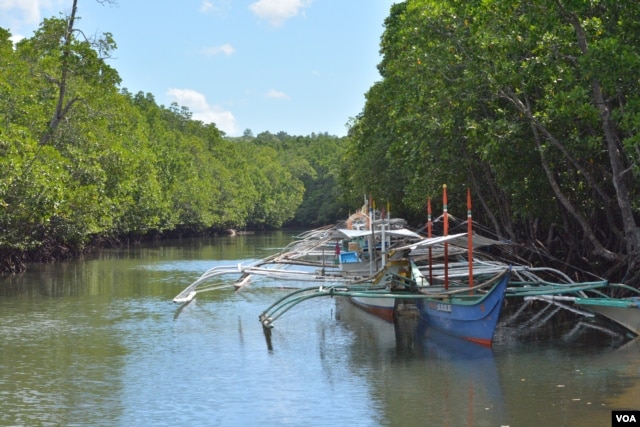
{"points": [[446, 233], [470, 237]]}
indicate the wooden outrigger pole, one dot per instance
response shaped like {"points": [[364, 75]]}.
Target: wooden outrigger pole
{"points": [[446, 233], [470, 237]]}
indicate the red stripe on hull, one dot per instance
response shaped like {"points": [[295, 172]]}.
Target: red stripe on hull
{"points": [[486, 343], [384, 313]]}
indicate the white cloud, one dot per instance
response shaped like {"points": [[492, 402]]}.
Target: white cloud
{"points": [[206, 6], [276, 12], [225, 49], [15, 39], [214, 6], [223, 119], [29, 10], [189, 98], [22, 16], [276, 94], [201, 110]]}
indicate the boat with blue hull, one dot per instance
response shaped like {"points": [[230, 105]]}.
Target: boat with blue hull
{"points": [[470, 315], [380, 266]]}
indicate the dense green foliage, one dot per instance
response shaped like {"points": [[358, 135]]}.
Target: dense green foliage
{"points": [[535, 106], [81, 159], [315, 160]]}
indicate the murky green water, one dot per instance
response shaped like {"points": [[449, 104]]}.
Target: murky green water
{"points": [[98, 342]]}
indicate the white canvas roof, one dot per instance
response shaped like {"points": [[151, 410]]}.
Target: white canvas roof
{"points": [[344, 233], [460, 240]]}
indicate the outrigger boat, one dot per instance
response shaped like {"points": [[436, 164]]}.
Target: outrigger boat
{"points": [[470, 313], [461, 309], [472, 316], [351, 252], [380, 264], [375, 273]]}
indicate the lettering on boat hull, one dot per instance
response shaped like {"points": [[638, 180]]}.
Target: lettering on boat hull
{"points": [[442, 307]]}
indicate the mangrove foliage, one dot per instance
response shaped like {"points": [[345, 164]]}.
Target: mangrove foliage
{"points": [[83, 160], [533, 105]]}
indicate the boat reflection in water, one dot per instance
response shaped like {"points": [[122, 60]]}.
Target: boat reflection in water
{"points": [[423, 376]]}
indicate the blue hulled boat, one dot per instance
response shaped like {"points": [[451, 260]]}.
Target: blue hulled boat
{"points": [[468, 314]]}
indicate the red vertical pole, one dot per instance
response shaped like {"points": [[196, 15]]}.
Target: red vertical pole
{"points": [[446, 233], [470, 237], [429, 234]]}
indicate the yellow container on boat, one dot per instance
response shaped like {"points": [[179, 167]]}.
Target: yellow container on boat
{"points": [[354, 247]]}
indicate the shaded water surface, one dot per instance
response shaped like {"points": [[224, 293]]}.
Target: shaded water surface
{"points": [[98, 342]]}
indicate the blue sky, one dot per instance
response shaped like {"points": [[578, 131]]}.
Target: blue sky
{"points": [[298, 66]]}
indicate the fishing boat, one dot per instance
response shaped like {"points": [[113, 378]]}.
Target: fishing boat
{"points": [[456, 307], [529, 285], [380, 306], [468, 314], [353, 251], [379, 265], [623, 311], [460, 308]]}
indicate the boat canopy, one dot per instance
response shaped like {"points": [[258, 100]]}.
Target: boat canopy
{"points": [[460, 239], [343, 233]]}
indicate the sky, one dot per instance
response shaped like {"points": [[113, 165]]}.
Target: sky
{"points": [[296, 66]]}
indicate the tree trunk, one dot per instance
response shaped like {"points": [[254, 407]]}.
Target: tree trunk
{"points": [[62, 109], [538, 127], [616, 157]]}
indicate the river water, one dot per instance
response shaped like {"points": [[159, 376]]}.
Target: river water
{"points": [[99, 342]]}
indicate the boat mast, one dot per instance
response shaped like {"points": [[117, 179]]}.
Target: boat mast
{"points": [[470, 237], [446, 233], [429, 235], [372, 237], [383, 248]]}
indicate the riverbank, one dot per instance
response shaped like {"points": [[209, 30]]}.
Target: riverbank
{"points": [[15, 261]]}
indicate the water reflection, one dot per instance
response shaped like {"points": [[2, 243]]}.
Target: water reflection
{"points": [[98, 342], [422, 376], [533, 323], [52, 362], [626, 361], [569, 374]]}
